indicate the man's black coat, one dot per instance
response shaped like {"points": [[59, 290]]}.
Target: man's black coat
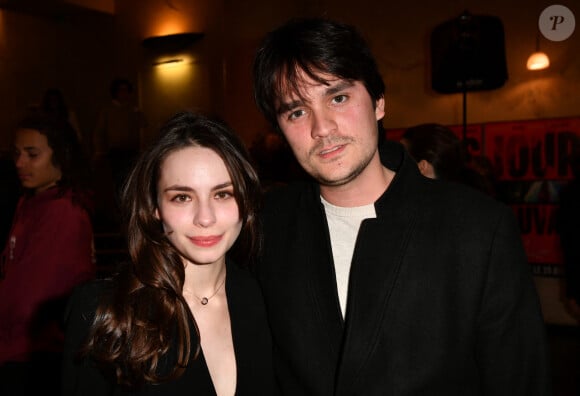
{"points": [[441, 300]]}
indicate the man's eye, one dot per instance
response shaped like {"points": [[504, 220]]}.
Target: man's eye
{"points": [[295, 114], [340, 99], [224, 194]]}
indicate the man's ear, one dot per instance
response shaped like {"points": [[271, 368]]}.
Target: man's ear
{"points": [[426, 169], [380, 108]]}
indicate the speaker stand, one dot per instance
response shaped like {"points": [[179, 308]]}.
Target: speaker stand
{"points": [[464, 93]]}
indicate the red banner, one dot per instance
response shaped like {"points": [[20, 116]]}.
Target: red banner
{"points": [[531, 150]]}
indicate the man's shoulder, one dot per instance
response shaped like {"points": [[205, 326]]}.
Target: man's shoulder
{"points": [[284, 203], [463, 204], [289, 193], [461, 195]]}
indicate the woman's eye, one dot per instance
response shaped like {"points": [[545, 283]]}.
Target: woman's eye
{"points": [[180, 198]]}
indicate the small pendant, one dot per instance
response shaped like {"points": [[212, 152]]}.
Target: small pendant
{"points": [[204, 301]]}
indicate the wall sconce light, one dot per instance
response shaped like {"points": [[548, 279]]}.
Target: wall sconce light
{"points": [[538, 60], [167, 62], [171, 43]]}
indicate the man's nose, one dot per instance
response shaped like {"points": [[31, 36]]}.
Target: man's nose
{"points": [[322, 123]]}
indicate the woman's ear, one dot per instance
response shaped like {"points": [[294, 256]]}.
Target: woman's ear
{"points": [[426, 169], [166, 230]]}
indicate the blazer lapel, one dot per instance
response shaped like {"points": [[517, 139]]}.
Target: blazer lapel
{"points": [[322, 279], [380, 248]]}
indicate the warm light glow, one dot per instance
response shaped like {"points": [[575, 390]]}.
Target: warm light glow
{"points": [[172, 70], [167, 62], [173, 61], [538, 61], [169, 26]]}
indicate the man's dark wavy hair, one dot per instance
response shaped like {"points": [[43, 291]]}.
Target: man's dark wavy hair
{"points": [[312, 46]]}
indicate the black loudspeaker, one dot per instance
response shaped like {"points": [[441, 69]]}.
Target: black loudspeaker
{"points": [[468, 54]]}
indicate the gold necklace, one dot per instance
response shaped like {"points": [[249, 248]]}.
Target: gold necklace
{"points": [[205, 300]]}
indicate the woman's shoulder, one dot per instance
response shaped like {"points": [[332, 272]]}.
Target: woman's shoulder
{"points": [[93, 288], [86, 297]]}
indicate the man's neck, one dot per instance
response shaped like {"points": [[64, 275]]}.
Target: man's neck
{"points": [[365, 189]]}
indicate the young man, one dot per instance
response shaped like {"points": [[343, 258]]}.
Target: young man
{"points": [[377, 280]]}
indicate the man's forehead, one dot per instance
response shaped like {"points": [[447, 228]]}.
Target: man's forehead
{"points": [[300, 78], [297, 89]]}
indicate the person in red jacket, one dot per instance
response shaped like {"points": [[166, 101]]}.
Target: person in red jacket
{"points": [[49, 250]]}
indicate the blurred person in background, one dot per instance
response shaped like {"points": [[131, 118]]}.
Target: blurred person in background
{"points": [[53, 103], [440, 154], [117, 140], [49, 250]]}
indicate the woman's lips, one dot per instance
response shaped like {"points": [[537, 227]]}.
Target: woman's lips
{"points": [[206, 241]]}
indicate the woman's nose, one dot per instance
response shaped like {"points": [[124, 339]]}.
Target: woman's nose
{"points": [[205, 214]]}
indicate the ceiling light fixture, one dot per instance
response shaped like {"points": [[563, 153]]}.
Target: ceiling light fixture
{"points": [[538, 60]]}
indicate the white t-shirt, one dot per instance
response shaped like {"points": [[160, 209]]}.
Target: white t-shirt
{"points": [[343, 226]]}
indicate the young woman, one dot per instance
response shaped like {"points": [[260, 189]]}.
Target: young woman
{"points": [[49, 250], [183, 318]]}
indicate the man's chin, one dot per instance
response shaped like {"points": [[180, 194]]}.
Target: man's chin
{"points": [[336, 180]]}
